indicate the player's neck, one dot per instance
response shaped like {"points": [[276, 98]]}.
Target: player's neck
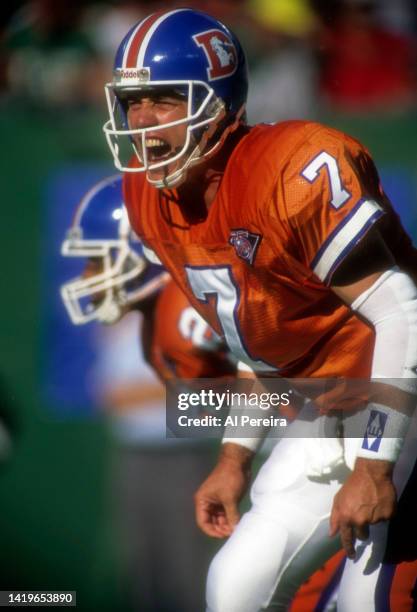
{"points": [[203, 181], [201, 186]]}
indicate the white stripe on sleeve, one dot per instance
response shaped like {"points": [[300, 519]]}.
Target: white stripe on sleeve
{"points": [[345, 237]]}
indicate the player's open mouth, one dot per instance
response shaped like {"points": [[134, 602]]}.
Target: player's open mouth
{"points": [[157, 149]]}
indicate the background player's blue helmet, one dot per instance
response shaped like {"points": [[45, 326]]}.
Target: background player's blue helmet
{"points": [[100, 234], [195, 56]]}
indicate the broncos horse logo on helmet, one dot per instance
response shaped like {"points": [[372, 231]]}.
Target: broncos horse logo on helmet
{"points": [[199, 58], [120, 276]]}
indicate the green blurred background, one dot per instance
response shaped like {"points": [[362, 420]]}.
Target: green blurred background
{"points": [[53, 490]]}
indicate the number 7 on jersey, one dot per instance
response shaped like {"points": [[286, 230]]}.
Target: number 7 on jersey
{"points": [[218, 281], [312, 171]]}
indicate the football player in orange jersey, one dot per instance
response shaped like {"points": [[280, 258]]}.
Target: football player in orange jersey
{"points": [[283, 239]]}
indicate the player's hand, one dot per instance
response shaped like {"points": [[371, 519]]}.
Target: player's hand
{"points": [[367, 497], [217, 500]]}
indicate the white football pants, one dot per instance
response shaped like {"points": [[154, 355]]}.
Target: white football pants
{"points": [[284, 537]]}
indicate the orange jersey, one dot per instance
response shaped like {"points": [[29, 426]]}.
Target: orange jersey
{"points": [[183, 345], [294, 200]]}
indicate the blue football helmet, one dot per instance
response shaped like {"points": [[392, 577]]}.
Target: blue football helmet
{"points": [[121, 276], [198, 58]]}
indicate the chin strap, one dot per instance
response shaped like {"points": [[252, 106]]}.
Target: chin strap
{"points": [[232, 127]]}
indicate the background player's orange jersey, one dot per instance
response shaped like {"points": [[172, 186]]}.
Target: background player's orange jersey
{"points": [[294, 200], [183, 345]]}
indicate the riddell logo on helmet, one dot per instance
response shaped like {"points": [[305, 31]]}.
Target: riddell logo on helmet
{"points": [[220, 52], [140, 74]]}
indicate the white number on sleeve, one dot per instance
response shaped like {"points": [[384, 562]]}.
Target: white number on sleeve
{"points": [[219, 283], [312, 171]]}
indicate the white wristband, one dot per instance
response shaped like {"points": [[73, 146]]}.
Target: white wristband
{"points": [[252, 444]]}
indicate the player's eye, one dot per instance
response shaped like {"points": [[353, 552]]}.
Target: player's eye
{"points": [[133, 102], [166, 102]]}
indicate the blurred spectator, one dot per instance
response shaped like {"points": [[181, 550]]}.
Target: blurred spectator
{"points": [[398, 16], [49, 60], [107, 24], [292, 17], [364, 65], [283, 80], [228, 11]]}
